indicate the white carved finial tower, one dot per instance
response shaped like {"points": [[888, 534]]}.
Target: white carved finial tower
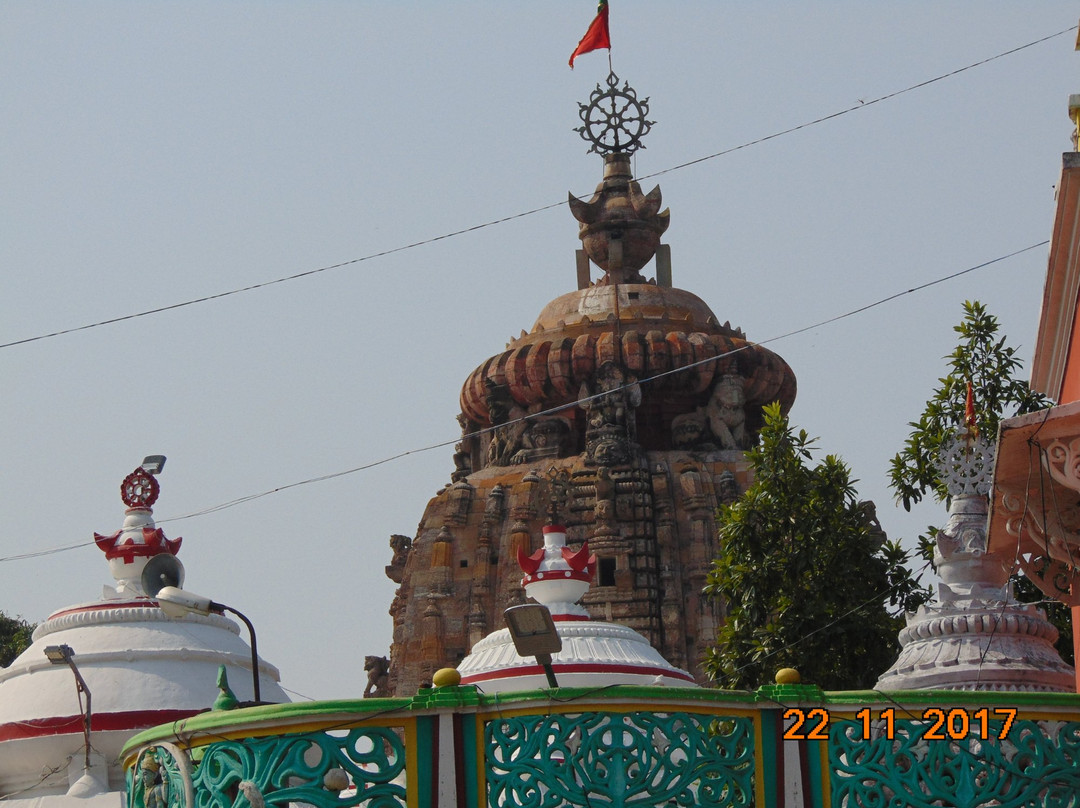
{"points": [[974, 635]]}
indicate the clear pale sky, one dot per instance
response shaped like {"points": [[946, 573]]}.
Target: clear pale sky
{"points": [[153, 153]]}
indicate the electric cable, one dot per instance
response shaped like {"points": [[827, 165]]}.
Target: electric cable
{"points": [[504, 219], [578, 402], [391, 458]]}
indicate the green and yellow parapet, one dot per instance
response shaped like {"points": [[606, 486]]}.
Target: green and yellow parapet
{"points": [[787, 743]]}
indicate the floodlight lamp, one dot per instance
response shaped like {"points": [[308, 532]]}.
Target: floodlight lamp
{"points": [[534, 634], [153, 464], [532, 630], [59, 654], [176, 602], [65, 655]]}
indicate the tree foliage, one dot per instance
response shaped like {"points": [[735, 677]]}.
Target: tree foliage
{"points": [[15, 637], [984, 358], [808, 578]]}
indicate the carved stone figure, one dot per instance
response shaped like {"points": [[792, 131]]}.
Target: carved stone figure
{"points": [[507, 418], [688, 430], [493, 506], [377, 668], [726, 414], [727, 489], [401, 546], [720, 424], [543, 438], [463, 459], [153, 783], [869, 512], [611, 423]]}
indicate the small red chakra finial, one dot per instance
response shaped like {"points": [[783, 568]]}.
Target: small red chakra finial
{"points": [[139, 489]]}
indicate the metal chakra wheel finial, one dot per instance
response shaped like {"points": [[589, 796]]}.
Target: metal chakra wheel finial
{"points": [[965, 463], [614, 120]]}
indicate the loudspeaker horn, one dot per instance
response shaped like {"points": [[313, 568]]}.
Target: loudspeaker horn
{"points": [[162, 570]]}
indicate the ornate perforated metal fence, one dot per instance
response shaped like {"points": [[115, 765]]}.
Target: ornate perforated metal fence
{"points": [[963, 764], [619, 759], [625, 747]]}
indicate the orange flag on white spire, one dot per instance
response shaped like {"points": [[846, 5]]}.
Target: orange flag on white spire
{"points": [[969, 413]]}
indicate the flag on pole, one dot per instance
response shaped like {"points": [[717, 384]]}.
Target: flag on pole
{"points": [[969, 413], [596, 37]]}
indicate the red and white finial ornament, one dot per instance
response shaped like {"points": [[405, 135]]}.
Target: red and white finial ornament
{"points": [[139, 489], [556, 576], [128, 549]]}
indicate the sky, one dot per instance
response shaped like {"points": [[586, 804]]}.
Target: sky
{"points": [[154, 153]]}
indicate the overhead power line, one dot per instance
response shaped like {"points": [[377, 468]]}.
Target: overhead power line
{"points": [[308, 273], [373, 464], [692, 365]]}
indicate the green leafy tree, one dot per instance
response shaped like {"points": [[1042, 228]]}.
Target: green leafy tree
{"points": [[14, 638], [808, 578], [983, 357]]}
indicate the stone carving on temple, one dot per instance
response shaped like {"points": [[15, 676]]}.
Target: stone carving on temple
{"points": [[463, 462], [378, 678], [719, 424], [610, 433], [401, 546], [509, 423], [542, 438], [727, 489]]}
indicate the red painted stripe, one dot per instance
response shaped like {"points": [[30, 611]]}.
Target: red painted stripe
{"points": [[566, 618], [100, 722], [579, 667]]}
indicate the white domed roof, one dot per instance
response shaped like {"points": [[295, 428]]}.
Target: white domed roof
{"points": [[593, 654], [141, 668]]}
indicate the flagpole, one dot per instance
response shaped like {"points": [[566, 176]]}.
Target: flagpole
{"points": [[611, 69]]}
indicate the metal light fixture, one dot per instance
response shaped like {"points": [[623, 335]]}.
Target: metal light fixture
{"points": [[64, 655], [534, 634], [176, 602], [153, 464]]}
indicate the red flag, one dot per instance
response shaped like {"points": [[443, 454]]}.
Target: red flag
{"points": [[596, 37]]}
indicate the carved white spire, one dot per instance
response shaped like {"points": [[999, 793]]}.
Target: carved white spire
{"points": [[974, 635], [966, 463]]}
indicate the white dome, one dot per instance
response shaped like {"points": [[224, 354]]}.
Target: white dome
{"points": [[593, 654], [141, 667]]}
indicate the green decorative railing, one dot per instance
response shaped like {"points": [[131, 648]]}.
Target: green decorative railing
{"points": [[1036, 764], [619, 759], [622, 747]]}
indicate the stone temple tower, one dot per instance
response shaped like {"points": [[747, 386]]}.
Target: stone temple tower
{"points": [[623, 414]]}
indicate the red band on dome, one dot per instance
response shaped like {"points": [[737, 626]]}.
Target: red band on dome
{"points": [[100, 722], [582, 667]]}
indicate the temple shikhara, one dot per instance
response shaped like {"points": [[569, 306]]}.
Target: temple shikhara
{"points": [[622, 414]]}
